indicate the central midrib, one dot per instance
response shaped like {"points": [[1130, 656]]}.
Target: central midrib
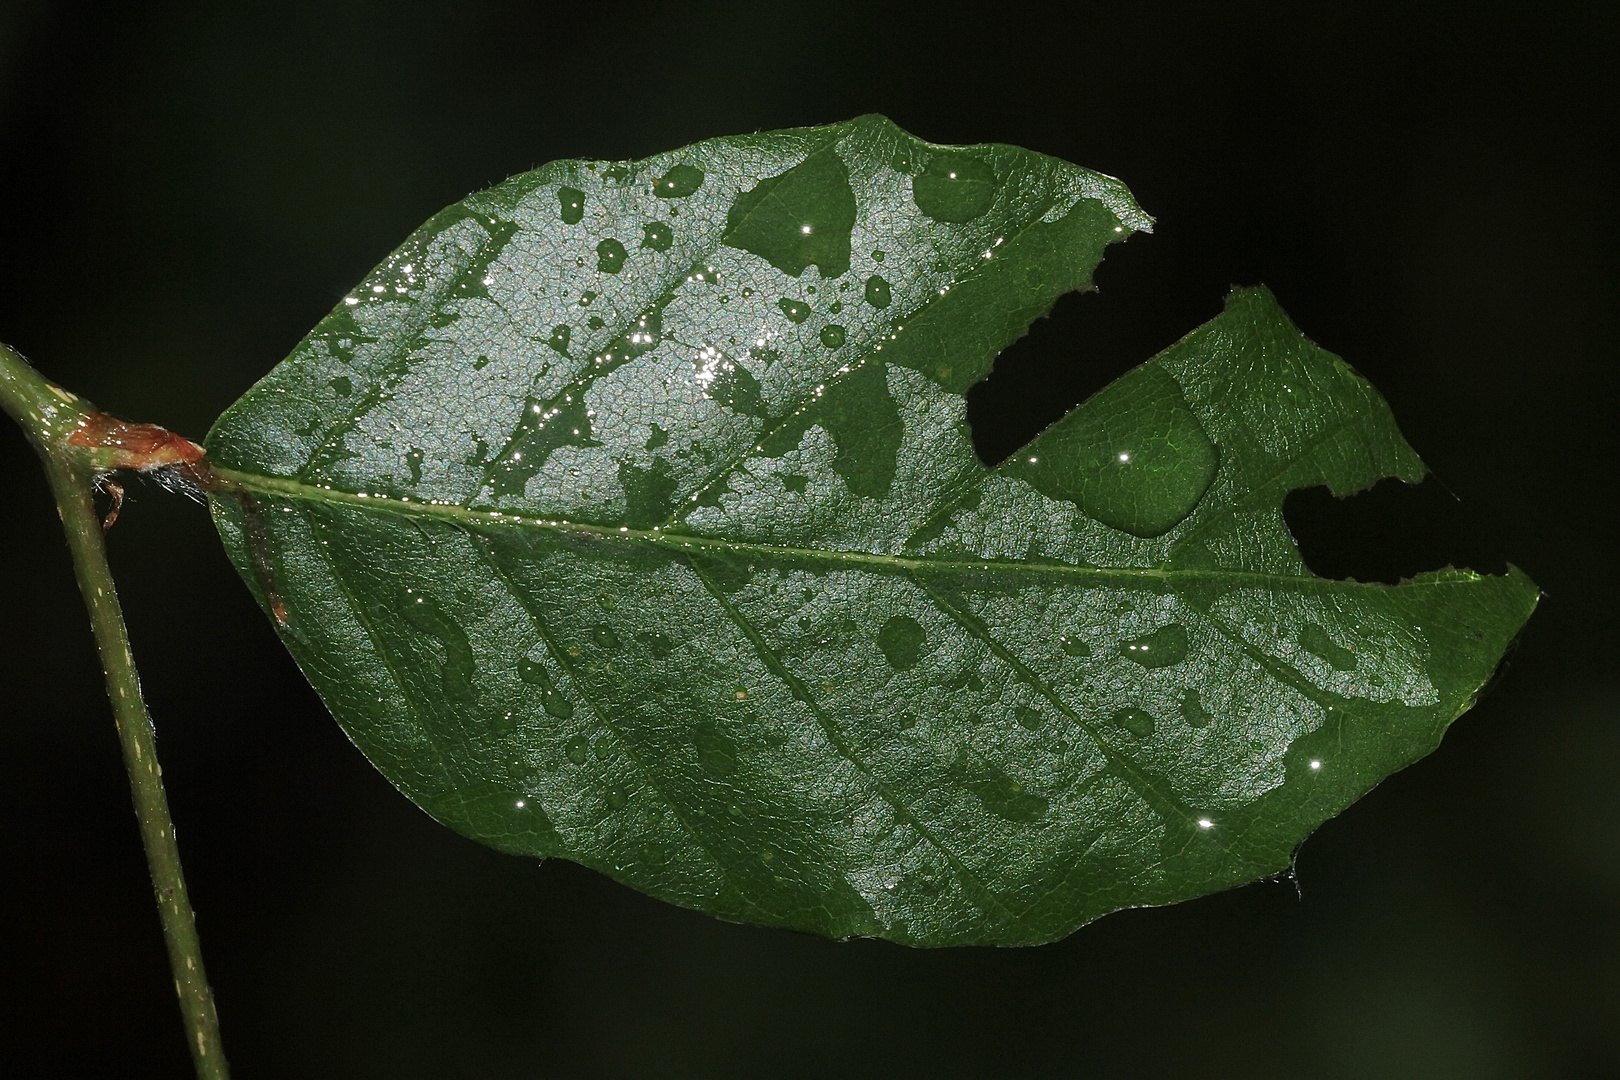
{"points": [[659, 538]]}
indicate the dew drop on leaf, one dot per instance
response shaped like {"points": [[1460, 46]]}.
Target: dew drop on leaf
{"points": [[424, 613], [679, 182], [1073, 645], [1027, 717], [1315, 640], [1138, 722], [657, 235], [603, 637], [901, 640], [1162, 648], [1192, 709], [717, 754], [802, 216], [610, 256], [1134, 456], [878, 293], [833, 336], [559, 337], [571, 205], [534, 673], [796, 311], [954, 188]]}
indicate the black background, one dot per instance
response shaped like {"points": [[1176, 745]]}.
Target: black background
{"points": [[186, 187]]}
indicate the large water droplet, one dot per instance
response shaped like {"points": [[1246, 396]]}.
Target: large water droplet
{"points": [[954, 187], [878, 293], [571, 205], [1138, 722], [341, 385], [901, 639], [534, 673], [1134, 457], [559, 337], [616, 798], [833, 335], [648, 493], [576, 749], [796, 310], [1313, 639], [424, 613], [716, 752], [802, 216], [1001, 794], [610, 256], [657, 235], [413, 462], [1162, 648], [679, 182]]}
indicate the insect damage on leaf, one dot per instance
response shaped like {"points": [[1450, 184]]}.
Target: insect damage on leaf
{"points": [[627, 514]]}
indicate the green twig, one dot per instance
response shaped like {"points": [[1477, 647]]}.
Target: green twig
{"points": [[51, 416]]}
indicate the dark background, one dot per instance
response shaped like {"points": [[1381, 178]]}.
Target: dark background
{"points": [[185, 188]]}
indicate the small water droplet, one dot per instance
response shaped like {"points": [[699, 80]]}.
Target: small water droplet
{"points": [[1138, 722], [595, 322], [877, 256], [616, 798], [1166, 646], [1027, 717], [610, 256], [559, 337], [717, 753], [552, 700], [341, 385], [659, 644], [413, 461], [796, 310], [878, 293], [954, 188], [657, 235], [572, 205], [586, 297], [832, 336], [1074, 646], [1192, 709], [835, 307], [679, 182], [901, 639], [603, 637], [576, 748]]}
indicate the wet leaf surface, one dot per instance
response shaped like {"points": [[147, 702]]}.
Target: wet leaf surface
{"points": [[627, 514]]}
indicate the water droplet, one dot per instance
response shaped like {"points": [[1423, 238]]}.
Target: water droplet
{"points": [[1138, 722], [679, 182], [648, 493], [1315, 640], [341, 385], [534, 673], [1000, 794], [559, 337], [1192, 709], [603, 637], [795, 310], [728, 382], [1134, 457], [659, 644], [1027, 717], [793, 482], [877, 256], [503, 723], [657, 235], [901, 640], [586, 297], [576, 748], [424, 613], [802, 216], [835, 307], [659, 437], [954, 187], [1074, 646], [616, 798], [716, 752], [610, 256], [413, 461], [832, 336], [878, 293], [572, 205], [1162, 648], [595, 322]]}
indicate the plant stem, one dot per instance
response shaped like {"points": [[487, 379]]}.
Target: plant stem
{"points": [[49, 415]]}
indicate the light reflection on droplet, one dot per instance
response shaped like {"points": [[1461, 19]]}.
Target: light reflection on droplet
{"points": [[1205, 823], [1316, 765]]}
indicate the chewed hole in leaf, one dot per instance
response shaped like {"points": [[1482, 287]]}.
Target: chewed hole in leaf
{"points": [[1388, 533]]}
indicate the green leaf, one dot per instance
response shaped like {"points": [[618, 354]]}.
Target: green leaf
{"points": [[610, 531]]}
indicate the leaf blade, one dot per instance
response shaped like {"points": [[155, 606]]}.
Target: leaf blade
{"points": [[732, 612]]}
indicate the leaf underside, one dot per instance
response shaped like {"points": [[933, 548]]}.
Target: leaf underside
{"points": [[628, 514]]}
